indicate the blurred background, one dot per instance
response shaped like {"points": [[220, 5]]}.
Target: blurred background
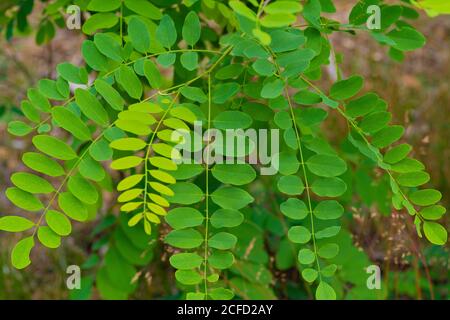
{"points": [[417, 90]]}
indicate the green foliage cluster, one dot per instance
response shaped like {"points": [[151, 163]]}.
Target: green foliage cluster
{"points": [[158, 67]]}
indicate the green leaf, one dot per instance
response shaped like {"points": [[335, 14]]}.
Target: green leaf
{"points": [[82, 189], [221, 259], [328, 232], [93, 57], [262, 36], [375, 121], [191, 29], [435, 233], [433, 213], [328, 209], [38, 100], [30, 111], [232, 120], [231, 198], [129, 81], [272, 89], [326, 165], [110, 94], [294, 209], [99, 21], [181, 218], [310, 275], [222, 241], [329, 187], [307, 97], [236, 174], [67, 120], [54, 147], [185, 261], [241, 9], [49, 88], [108, 46], [15, 224], [362, 105], [189, 60], [58, 222], [277, 20], [325, 292], [225, 91], [72, 73], [387, 136], [31, 183], [291, 185], [126, 163], [397, 153], [152, 74], [166, 33], [188, 277], [48, 238], [91, 107], [345, 89], [19, 128], [229, 72], [185, 193], [167, 59], [299, 234], [184, 239], [91, 169], [221, 294], [20, 255], [225, 218], [413, 179], [194, 94], [144, 8], [100, 150], [139, 35], [263, 67], [73, 207], [24, 200], [104, 6], [283, 7], [407, 39], [328, 251], [425, 197], [128, 144], [306, 256], [408, 165], [283, 41]]}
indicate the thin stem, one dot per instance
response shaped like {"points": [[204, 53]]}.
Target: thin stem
{"points": [[205, 262], [149, 147], [302, 162]]}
